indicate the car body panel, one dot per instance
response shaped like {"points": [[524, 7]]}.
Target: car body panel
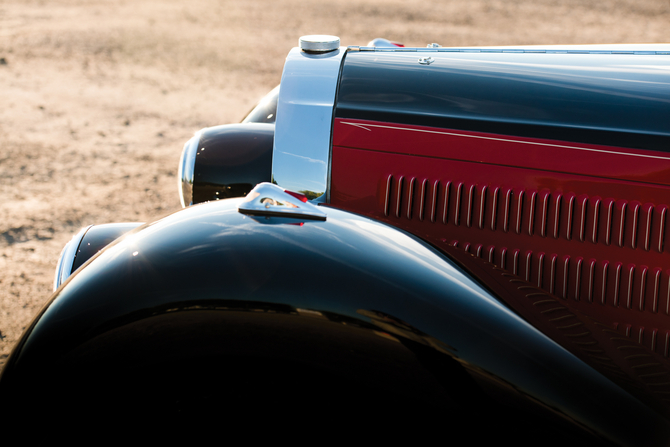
{"points": [[607, 99], [579, 212], [213, 287]]}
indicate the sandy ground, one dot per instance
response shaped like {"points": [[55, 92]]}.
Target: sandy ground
{"points": [[98, 96]]}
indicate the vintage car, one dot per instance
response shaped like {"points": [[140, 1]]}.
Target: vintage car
{"points": [[465, 241]]}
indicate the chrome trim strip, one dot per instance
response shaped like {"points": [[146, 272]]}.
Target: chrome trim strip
{"points": [[304, 121], [66, 260], [186, 168], [636, 49]]}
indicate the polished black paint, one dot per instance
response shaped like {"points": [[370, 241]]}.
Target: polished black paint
{"points": [[231, 159], [98, 237], [608, 99], [266, 109], [210, 315]]}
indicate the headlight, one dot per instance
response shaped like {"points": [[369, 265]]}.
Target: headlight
{"points": [[266, 110], [66, 261], [85, 244], [226, 161]]}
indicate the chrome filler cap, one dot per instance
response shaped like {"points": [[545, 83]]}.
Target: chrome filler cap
{"points": [[319, 43]]}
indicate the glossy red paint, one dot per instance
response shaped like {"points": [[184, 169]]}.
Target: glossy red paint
{"points": [[297, 195], [544, 155], [584, 223]]}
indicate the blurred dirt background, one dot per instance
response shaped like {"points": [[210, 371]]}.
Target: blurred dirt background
{"points": [[97, 97]]}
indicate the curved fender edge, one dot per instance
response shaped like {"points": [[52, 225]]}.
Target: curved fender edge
{"points": [[211, 315]]}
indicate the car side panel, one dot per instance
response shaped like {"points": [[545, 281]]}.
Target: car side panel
{"points": [[599, 243], [553, 167]]}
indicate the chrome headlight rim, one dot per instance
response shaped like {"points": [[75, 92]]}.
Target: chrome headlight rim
{"points": [[186, 170], [67, 256]]}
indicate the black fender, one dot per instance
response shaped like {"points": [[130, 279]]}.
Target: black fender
{"points": [[212, 314]]}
